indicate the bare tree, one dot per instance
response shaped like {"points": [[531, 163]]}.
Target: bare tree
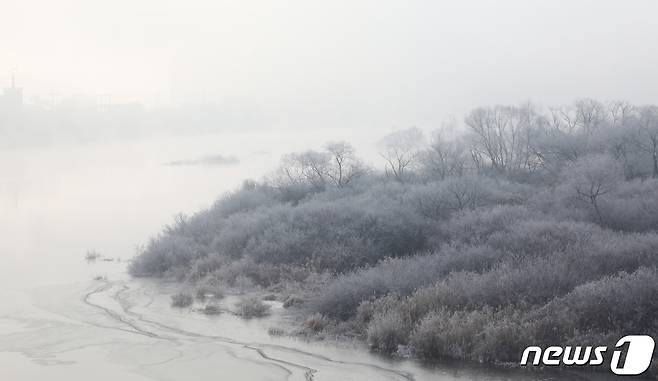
{"points": [[564, 139], [338, 166], [648, 134], [592, 177], [564, 120], [401, 150], [620, 112], [454, 194], [344, 166], [466, 192], [618, 136], [505, 136], [308, 167], [531, 123], [444, 157], [584, 115], [590, 114]]}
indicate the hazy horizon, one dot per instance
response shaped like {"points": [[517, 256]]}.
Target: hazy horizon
{"points": [[366, 63]]}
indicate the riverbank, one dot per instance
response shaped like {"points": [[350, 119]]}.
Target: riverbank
{"points": [[400, 267], [126, 329], [293, 321]]}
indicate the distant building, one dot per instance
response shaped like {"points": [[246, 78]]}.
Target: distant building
{"points": [[11, 100]]}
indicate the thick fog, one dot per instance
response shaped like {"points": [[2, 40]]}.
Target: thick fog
{"points": [[273, 189], [305, 64]]}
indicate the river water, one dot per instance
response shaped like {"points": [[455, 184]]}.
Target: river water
{"points": [[58, 323]]}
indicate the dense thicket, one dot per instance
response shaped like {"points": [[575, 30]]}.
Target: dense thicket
{"points": [[541, 222]]}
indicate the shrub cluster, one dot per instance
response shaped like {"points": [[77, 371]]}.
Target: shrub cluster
{"points": [[455, 246], [252, 308], [181, 300]]}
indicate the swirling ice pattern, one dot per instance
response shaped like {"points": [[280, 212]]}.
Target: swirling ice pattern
{"points": [[130, 321]]}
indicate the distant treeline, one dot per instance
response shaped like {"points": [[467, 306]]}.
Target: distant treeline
{"points": [[525, 227]]}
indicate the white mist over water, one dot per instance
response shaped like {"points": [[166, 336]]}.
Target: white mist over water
{"points": [[57, 202]]}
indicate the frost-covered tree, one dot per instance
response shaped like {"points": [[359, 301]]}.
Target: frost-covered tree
{"points": [[401, 151], [309, 167], [592, 177], [344, 165], [648, 135], [444, 158], [505, 136]]}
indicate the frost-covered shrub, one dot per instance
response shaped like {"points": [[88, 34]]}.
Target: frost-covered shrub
{"points": [[625, 302], [249, 197], [542, 237], [237, 272], [205, 266], [211, 309], [252, 308], [386, 330], [474, 227], [316, 322], [528, 280], [208, 290], [165, 253], [401, 276], [633, 206], [181, 300], [447, 334]]}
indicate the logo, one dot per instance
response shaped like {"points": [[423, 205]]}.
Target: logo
{"points": [[638, 350]]}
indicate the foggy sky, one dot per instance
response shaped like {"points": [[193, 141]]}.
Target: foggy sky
{"points": [[348, 62]]}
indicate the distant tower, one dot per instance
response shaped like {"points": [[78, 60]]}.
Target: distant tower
{"points": [[12, 101]]}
